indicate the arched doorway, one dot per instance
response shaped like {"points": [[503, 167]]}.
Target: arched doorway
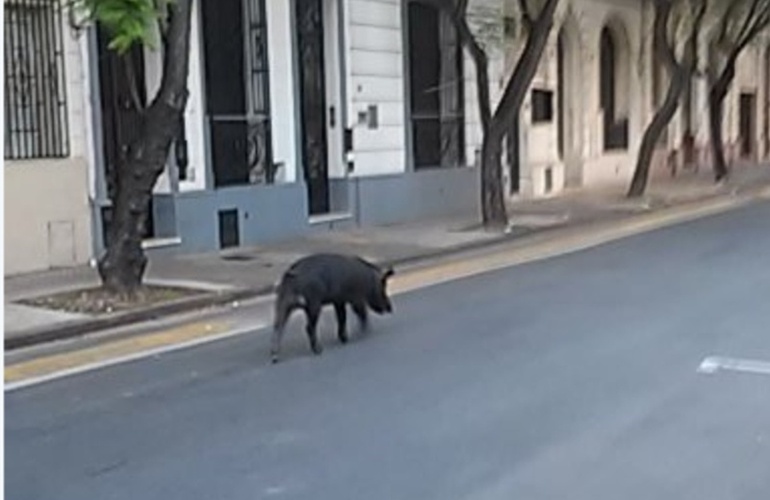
{"points": [[615, 85]]}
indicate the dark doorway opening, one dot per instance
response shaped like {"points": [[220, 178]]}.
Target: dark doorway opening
{"points": [[436, 89], [312, 81], [615, 127], [748, 106]]}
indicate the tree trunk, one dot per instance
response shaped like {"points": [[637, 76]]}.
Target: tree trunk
{"points": [[659, 122], [122, 266], [494, 126], [493, 212], [717, 94], [508, 110], [679, 81]]}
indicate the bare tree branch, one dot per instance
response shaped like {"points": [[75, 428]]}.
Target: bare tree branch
{"points": [[482, 64], [526, 15], [700, 15], [725, 24], [722, 73], [748, 21], [761, 21], [542, 27]]}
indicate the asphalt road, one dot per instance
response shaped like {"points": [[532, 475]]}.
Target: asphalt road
{"points": [[573, 378]]}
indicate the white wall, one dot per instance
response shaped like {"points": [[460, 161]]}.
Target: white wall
{"points": [[375, 76], [282, 87], [47, 218], [195, 113]]}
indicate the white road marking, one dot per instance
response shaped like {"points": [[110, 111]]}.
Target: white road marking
{"points": [[714, 364], [155, 352]]}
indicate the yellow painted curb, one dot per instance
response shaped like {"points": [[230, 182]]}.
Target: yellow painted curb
{"points": [[579, 240], [46, 365]]}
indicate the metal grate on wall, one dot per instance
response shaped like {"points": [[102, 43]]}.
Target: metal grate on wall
{"points": [[35, 98]]}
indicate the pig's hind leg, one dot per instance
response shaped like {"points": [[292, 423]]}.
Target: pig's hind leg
{"points": [[342, 332], [313, 311]]}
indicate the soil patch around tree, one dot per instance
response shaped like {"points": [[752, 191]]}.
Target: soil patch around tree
{"points": [[97, 301]]}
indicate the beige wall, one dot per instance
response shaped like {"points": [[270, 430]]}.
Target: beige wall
{"points": [[47, 216], [584, 161], [582, 22], [47, 220]]}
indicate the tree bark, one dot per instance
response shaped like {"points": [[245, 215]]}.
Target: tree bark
{"points": [[717, 94], [493, 213], [122, 266]]}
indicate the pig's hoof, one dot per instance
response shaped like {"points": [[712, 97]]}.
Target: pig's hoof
{"points": [[274, 359], [317, 350]]}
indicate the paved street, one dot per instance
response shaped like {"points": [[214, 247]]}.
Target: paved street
{"points": [[572, 378]]}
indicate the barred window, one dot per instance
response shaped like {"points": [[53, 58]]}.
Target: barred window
{"points": [[35, 103]]}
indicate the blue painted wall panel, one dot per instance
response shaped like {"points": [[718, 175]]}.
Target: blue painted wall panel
{"points": [[416, 195], [266, 214], [279, 212]]}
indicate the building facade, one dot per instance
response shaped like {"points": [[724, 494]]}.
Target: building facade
{"points": [[303, 115], [597, 88], [47, 140], [306, 115]]}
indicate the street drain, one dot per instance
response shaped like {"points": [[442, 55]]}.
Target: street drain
{"points": [[238, 257]]}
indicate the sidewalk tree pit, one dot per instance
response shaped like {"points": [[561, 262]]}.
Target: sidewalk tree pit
{"points": [[100, 301]]}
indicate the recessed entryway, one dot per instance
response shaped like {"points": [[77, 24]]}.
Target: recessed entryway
{"points": [[748, 124]]}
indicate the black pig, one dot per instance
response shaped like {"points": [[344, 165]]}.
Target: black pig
{"points": [[326, 278]]}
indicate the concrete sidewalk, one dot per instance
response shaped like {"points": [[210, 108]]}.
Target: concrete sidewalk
{"points": [[249, 271]]}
